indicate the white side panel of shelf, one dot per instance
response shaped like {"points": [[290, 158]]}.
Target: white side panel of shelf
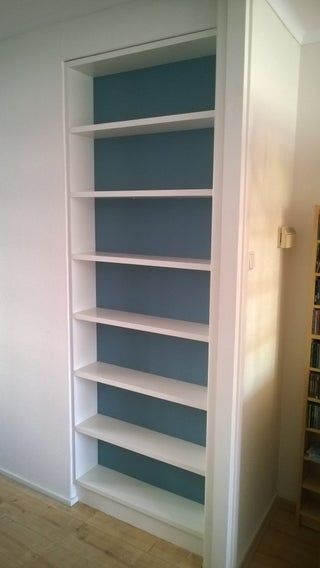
{"points": [[179, 392], [157, 124], [150, 443], [152, 324], [79, 107], [155, 510], [145, 260]]}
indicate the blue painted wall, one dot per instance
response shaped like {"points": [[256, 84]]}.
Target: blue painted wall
{"points": [[172, 160], [186, 86], [173, 357], [151, 471], [163, 292], [172, 227], [168, 227]]}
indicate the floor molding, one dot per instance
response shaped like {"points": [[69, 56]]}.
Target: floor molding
{"points": [[70, 501]]}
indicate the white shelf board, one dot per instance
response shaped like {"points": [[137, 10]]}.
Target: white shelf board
{"points": [[157, 503], [144, 193], [179, 392], [144, 260], [161, 447], [151, 324], [157, 124]]}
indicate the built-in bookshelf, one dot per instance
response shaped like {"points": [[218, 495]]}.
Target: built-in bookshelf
{"points": [[140, 132], [309, 501]]}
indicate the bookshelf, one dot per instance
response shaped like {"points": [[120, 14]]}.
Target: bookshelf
{"points": [[309, 501], [139, 139]]}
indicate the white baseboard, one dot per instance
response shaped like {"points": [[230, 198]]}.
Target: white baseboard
{"points": [[70, 501], [249, 548]]}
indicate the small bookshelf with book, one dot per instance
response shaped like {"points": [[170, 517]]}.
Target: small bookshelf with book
{"points": [[309, 499]]}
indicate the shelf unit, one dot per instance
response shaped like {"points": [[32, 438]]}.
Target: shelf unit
{"points": [[140, 375], [309, 501]]}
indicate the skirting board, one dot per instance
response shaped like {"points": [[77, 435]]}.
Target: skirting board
{"points": [[250, 549], [141, 521], [70, 501]]}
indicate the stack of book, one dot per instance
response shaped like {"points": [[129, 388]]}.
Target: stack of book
{"points": [[314, 385], [315, 354], [313, 416], [318, 259], [316, 322], [317, 292]]}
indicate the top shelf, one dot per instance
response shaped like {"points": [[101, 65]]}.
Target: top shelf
{"points": [[153, 125]]}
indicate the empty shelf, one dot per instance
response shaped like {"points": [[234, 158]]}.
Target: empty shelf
{"points": [[157, 124], [145, 260], [157, 503], [148, 384], [152, 324], [143, 193], [167, 449]]}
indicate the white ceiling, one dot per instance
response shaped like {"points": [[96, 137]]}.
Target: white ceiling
{"points": [[19, 16], [302, 18]]}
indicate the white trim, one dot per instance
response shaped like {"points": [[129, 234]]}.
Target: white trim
{"points": [[259, 528], [68, 285], [229, 290], [56, 496]]}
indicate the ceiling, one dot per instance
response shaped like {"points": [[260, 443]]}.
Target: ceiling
{"points": [[19, 16], [302, 17]]}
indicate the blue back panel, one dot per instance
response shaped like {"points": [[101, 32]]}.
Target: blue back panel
{"points": [[172, 160], [173, 357], [163, 292], [160, 415], [186, 86], [168, 227], [184, 483]]}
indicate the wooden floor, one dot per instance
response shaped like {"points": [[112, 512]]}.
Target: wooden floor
{"points": [[37, 532], [283, 544]]}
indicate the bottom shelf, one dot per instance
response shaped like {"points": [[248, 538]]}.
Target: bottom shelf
{"points": [[184, 518]]}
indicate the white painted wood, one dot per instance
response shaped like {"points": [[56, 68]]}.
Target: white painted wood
{"points": [[148, 384], [227, 290], [143, 193], [156, 503], [145, 260], [152, 324], [167, 449], [157, 124], [162, 528], [169, 50]]}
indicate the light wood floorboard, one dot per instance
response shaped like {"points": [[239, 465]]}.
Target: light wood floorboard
{"points": [[38, 532], [283, 544]]}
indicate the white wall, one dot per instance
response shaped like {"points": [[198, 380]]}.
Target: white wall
{"points": [[273, 76], [298, 270], [35, 402]]}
